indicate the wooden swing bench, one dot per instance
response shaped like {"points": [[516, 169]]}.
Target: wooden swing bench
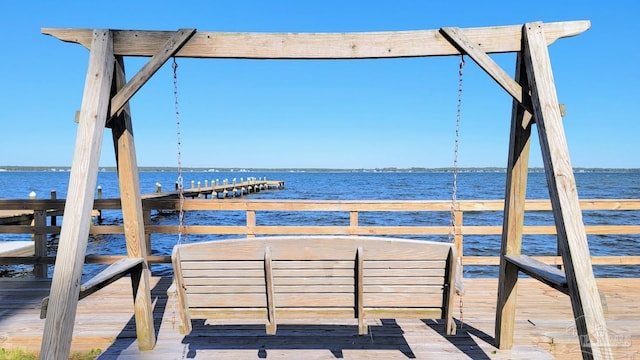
{"points": [[279, 279]]}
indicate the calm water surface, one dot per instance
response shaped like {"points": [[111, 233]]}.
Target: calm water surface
{"points": [[356, 186]]}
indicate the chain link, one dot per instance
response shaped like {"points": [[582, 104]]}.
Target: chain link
{"points": [[180, 180]]}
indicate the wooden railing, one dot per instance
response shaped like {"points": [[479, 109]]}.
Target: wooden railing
{"points": [[348, 212]]}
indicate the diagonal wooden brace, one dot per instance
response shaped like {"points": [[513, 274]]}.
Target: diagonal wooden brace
{"points": [[170, 48], [465, 45]]}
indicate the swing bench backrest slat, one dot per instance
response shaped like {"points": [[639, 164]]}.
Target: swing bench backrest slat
{"points": [[314, 277]]}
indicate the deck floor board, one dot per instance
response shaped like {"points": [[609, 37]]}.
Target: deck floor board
{"points": [[544, 327]]}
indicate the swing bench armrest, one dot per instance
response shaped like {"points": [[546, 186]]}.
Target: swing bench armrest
{"points": [[545, 273], [107, 276]]}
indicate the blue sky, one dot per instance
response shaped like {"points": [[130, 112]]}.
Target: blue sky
{"points": [[321, 114]]}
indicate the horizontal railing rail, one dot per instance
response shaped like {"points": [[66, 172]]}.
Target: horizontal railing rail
{"points": [[352, 225]]}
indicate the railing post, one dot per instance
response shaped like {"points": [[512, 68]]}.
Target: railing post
{"points": [[353, 220], [39, 240], [251, 223], [54, 218], [146, 218]]}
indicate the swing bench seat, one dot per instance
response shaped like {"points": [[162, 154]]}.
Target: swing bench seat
{"points": [[281, 279], [107, 276]]}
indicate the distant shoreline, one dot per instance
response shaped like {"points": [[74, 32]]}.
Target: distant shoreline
{"points": [[253, 170]]}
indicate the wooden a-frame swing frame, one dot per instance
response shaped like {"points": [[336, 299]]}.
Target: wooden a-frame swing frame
{"points": [[105, 104]]}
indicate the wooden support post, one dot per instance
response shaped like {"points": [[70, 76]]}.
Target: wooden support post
{"points": [[515, 196], [40, 243], [65, 286], [585, 298], [132, 215]]}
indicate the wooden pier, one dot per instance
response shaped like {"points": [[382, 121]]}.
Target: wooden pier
{"points": [[218, 190], [544, 327]]}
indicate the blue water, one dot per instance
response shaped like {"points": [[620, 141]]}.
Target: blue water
{"points": [[357, 186]]}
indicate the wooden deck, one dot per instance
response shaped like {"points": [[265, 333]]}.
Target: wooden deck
{"points": [[544, 327]]}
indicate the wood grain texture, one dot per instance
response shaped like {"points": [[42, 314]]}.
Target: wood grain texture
{"points": [[104, 321], [587, 307], [132, 214], [320, 45], [514, 209], [58, 330], [545, 273], [40, 243]]}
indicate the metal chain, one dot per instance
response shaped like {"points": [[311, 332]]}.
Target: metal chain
{"points": [[180, 180], [454, 190]]}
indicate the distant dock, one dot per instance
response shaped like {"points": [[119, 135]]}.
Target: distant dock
{"points": [[218, 190]]}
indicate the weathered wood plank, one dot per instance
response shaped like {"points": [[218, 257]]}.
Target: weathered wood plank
{"points": [[583, 290], [547, 274], [403, 280], [402, 300], [103, 322], [514, 209], [392, 273], [323, 205], [320, 45], [132, 214], [112, 273], [16, 248], [399, 264], [65, 287], [315, 248], [180, 296], [242, 281]]}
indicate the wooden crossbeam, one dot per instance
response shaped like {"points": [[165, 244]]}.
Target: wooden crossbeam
{"points": [[320, 45]]}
